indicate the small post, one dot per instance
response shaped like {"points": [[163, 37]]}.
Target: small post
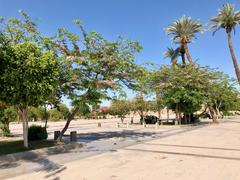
{"points": [[99, 125], [73, 136], [131, 120], [144, 125], [117, 125], [176, 123], [56, 135], [156, 125]]}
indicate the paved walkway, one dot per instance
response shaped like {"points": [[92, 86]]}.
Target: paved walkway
{"points": [[190, 153]]}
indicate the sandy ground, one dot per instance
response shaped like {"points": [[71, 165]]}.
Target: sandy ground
{"points": [[206, 153]]}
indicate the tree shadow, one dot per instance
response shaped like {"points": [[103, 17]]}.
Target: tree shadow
{"points": [[44, 163], [195, 147], [185, 154], [89, 137], [7, 165]]}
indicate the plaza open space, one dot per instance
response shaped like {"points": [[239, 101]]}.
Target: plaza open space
{"points": [[203, 151]]}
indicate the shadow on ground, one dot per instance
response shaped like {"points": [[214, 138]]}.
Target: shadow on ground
{"points": [[9, 162], [195, 147], [114, 134], [184, 154]]}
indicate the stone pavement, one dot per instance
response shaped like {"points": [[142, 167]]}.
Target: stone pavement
{"points": [[204, 153], [99, 141]]}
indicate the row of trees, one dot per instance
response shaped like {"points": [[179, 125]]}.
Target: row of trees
{"points": [[185, 90], [36, 70]]}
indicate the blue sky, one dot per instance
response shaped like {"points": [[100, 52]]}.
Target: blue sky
{"points": [[142, 20]]}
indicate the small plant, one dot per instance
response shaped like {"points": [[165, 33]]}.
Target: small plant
{"points": [[37, 133]]}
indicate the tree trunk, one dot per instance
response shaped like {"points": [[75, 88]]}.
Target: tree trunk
{"points": [[23, 115], [185, 118], [122, 119], [177, 114], [159, 113], [70, 118], [213, 115], [182, 52], [215, 118], [167, 114], [46, 116], [234, 59], [188, 53], [179, 117], [174, 62]]}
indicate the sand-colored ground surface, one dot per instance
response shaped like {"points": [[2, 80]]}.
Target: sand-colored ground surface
{"points": [[210, 152]]}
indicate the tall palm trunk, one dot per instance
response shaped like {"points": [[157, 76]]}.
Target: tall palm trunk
{"points": [[182, 52], [233, 55], [188, 53], [174, 62]]}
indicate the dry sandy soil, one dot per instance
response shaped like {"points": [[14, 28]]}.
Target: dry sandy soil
{"points": [[210, 152]]}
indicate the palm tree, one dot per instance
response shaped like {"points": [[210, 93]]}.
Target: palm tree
{"points": [[227, 19], [173, 55], [183, 31]]}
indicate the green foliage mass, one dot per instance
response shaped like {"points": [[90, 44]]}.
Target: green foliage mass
{"points": [[193, 87], [55, 115], [120, 108], [7, 115], [28, 75], [36, 113]]}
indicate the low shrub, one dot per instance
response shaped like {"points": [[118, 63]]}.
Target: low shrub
{"points": [[37, 133], [227, 113], [150, 119]]}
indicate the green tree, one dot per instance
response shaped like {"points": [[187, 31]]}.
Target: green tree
{"points": [[182, 89], [94, 66], [221, 97], [28, 78], [183, 31], [120, 108], [189, 89], [141, 106], [227, 19]]}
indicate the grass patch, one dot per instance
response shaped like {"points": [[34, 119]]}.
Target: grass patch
{"points": [[13, 145]]}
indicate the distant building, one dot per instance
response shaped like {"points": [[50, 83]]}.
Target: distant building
{"points": [[104, 108]]}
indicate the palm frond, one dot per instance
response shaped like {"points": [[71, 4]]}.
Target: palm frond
{"points": [[171, 53], [184, 27], [227, 18]]}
